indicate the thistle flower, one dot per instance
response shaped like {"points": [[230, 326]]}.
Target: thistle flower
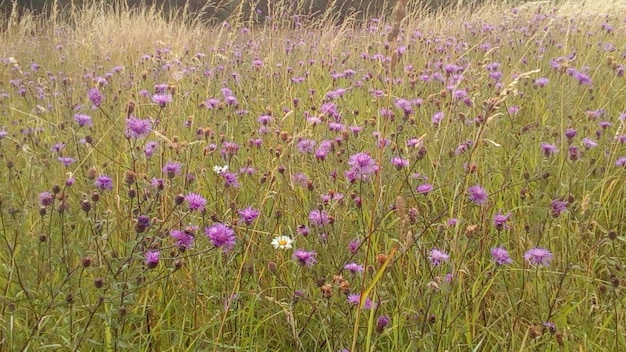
{"points": [[95, 97], [500, 256], [355, 299], [83, 120], [437, 257], [221, 236], [477, 194], [248, 215], [354, 268], [363, 165], [557, 207], [305, 258], [318, 218], [184, 239], [195, 202], [104, 183], [499, 220], [162, 99], [136, 128], [46, 199], [152, 259], [549, 149], [538, 256], [424, 188], [171, 169]]}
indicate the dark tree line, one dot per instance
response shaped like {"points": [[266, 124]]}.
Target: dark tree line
{"points": [[262, 8]]}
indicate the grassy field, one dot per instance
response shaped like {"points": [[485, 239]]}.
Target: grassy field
{"points": [[449, 181]]}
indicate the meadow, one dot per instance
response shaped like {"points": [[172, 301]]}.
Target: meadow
{"points": [[420, 181]]}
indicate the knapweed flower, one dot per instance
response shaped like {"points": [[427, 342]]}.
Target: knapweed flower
{"points": [[305, 258], [319, 218], [46, 199], [83, 120], [355, 299], [477, 194], [230, 179], [66, 160], [437, 257], [184, 239], [500, 256], [621, 162], [150, 148], [162, 99], [95, 97], [354, 268], [381, 323], [136, 128], [171, 169], [399, 162], [499, 220], [424, 188], [282, 242], [195, 202], [143, 222], [104, 183], [549, 149], [221, 236], [589, 143], [557, 206], [152, 259], [363, 165], [538, 256], [248, 215]]}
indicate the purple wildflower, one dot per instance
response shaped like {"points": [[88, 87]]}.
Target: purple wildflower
{"points": [[354, 268], [149, 148], [104, 182], [621, 162], [538, 256], [222, 236], [589, 143], [499, 220], [171, 169], [195, 202], [363, 165], [248, 215], [437, 257], [65, 160], [152, 259], [305, 258], [500, 256], [424, 188], [83, 120], [95, 97], [355, 299], [46, 199], [549, 149], [557, 207], [230, 179], [477, 194], [318, 218], [399, 162], [381, 323], [162, 99], [136, 128], [184, 239]]}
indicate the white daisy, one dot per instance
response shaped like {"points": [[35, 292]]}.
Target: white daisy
{"points": [[282, 242], [219, 169]]}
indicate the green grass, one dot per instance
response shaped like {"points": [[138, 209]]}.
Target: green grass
{"points": [[73, 274]]}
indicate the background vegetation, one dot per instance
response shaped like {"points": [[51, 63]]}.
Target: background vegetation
{"points": [[447, 180]]}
